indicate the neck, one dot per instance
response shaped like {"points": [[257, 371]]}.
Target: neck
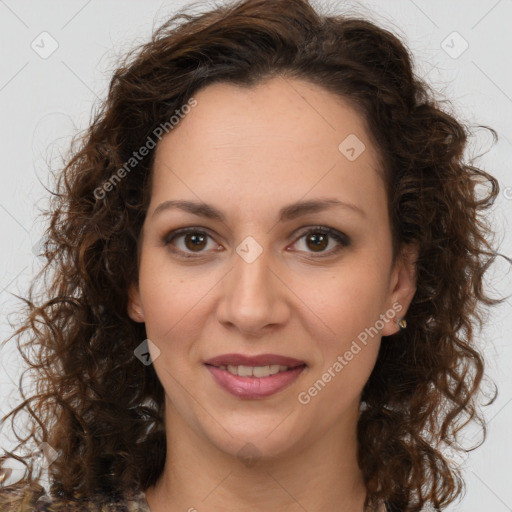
{"points": [[321, 474]]}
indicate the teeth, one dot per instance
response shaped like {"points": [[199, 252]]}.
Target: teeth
{"points": [[243, 371], [254, 371]]}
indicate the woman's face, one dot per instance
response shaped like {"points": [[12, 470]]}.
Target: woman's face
{"points": [[261, 174]]}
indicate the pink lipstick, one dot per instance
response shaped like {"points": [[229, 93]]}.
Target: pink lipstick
{"points": [[253, 377]]}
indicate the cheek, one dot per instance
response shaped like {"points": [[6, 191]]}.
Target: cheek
{"points": [[349, 301], [167, 299], [176, 303], [349, 307]]}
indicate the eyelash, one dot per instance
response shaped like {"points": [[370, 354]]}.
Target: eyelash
{"points": [[342, 239]]}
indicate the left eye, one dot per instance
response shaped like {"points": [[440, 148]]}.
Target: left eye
{"points": [[316, 239]]}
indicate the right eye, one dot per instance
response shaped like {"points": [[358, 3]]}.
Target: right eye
{"points": [[191, 240]]}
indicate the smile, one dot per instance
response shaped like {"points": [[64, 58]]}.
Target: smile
{"points": [[254, 382], [254, 371]]}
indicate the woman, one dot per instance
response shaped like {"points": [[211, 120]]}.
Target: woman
{"points": [[265, 265]]}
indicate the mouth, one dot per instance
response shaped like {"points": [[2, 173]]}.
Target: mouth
{"points": [[253, 377], [254, 361], [255, 371]]}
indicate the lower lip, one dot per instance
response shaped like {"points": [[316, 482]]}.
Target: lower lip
{"points": [[254, 387]]}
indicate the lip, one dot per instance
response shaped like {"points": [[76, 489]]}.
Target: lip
{"points": [[254, 387], [259, 360]]}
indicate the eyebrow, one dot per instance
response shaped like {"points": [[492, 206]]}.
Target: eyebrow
{"points": [[287, 213]]}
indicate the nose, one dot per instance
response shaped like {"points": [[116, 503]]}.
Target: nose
{"points": [[254, 296]]}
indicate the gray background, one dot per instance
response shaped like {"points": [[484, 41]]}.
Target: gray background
{"points": [[45, 98]]}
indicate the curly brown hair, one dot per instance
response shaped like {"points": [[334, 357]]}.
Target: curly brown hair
{"points": [[102, 410]]}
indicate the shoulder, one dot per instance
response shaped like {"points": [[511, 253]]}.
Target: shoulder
{"points": [[34, 498]]}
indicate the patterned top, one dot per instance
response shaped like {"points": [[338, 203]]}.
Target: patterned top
{"points": [[35, 499]]}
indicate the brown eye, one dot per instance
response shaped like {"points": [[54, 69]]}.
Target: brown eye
{"points": [[317, 241], [188, 242], [195, 241]]}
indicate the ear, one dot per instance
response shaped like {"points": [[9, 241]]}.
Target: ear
{"points": [[402, 286], [135, 311]]}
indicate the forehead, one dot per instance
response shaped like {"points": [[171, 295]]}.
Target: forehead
{"points": [[282, 109], [282, 136]]}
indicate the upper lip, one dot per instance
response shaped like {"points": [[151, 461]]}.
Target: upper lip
{"points": [[259, 360]]}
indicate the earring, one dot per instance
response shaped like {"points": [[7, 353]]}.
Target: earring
{"points": [[402, 322]]}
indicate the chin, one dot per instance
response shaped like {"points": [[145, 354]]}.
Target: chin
{"points": [[258, 441]]}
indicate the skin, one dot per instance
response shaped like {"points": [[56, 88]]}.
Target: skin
{"points": [[250, 152]]}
